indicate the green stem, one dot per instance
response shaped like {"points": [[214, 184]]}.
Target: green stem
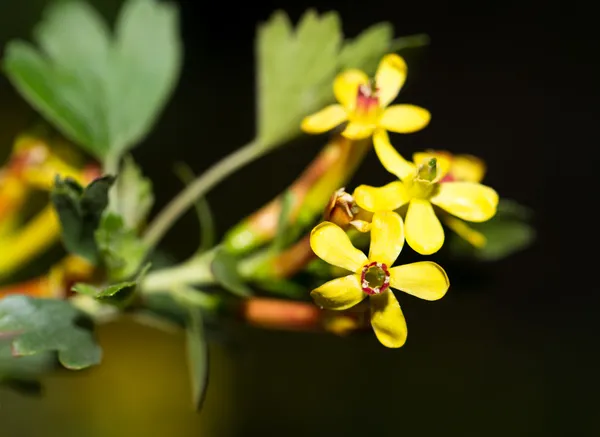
{"points": [[185, 199], [195, 271]]}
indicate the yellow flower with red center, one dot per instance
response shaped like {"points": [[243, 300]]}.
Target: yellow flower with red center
{"points": [[364, 103], [374, 276], [423, 184], [463, 168]]}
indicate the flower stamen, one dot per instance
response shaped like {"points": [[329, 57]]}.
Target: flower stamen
{"points": [[375, 278]]}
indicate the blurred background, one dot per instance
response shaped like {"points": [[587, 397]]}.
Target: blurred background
{"points": [[508, 352]]}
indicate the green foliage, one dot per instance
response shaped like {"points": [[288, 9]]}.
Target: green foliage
{"points": [[295, 68], [46, 325], [102, 91], [365, 51], [197, 354], [208, 233], [121, 250], [131, 196], [225, 270], [79, 210], [120, 294], [508, 232]]}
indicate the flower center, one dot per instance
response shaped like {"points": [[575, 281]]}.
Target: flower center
{"points": [[375, 278], [367, 109], [423, 184]]}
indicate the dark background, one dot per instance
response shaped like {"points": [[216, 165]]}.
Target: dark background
{"points": [[509, 352]]}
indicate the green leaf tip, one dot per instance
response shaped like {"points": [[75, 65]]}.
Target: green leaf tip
{"points": [[79, 211]]}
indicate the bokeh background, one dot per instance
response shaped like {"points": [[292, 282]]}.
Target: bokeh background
{"points": [[510, 351]]}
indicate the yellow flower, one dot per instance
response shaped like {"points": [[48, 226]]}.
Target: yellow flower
{"points": [[465, 168], [364, 104], [423, 184], [373, 276]]}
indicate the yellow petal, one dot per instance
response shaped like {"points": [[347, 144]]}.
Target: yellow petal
{"points": [[387, 198], [332, 245], [467, 168], [404, 119], [466, 232], [424, 279], [324, 120], [467, 200], [387, 320], [387, 237], [358, 131], [339, 294], [424, 232], [390, 76], [444, 161], [389, 157], [345, 87], [29, 241]]}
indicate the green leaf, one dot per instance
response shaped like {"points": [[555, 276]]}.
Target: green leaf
{"points": [[131, 196], [204, 213], [121, 250], [22, 367], [366, 50], [295, 69], [43, 325], [197, 354], [79, 211], [102, 91], [225, 271], [507, 232], [120, 294]]}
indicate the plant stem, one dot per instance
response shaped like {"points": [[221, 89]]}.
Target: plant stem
{"points": [[185, 199]]}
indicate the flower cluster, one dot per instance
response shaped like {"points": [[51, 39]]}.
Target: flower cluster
{"points": [[435, 185]]}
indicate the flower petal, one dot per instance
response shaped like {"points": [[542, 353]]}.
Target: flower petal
{"points": [[390, 76], [467, 200], [387, 237], [466, 232], [358, 131], [387, 198], [425, 280], [389, 157], [345, 86], [444, 161], [325, 119], [332, 245], [339, 294], [387, 320], [424, 232], [404, 119], [467, 168]]}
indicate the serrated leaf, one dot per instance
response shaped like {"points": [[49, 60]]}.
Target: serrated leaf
{"points": [[366, 50], [102, 91], [79, 210], [131, 196], [197, 354], [47, 325], [120, 248], [295, 69], [119, 294], [224, 269]]}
